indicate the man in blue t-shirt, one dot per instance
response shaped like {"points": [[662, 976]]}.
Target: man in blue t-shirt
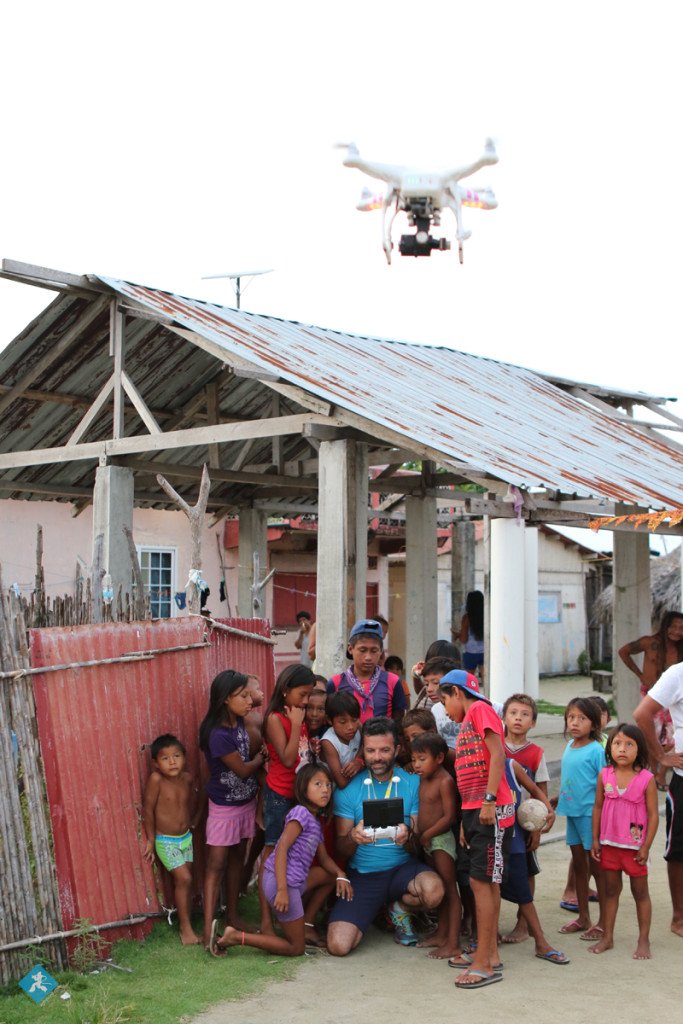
{"points": [[381, 872]]}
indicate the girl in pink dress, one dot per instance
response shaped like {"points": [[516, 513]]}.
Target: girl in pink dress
{"points": [[625, 819]]}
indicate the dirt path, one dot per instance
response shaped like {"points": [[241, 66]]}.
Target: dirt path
{"points": [[383, 981]]}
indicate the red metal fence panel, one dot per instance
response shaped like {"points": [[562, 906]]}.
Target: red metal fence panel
{"points": [[94, 723]]}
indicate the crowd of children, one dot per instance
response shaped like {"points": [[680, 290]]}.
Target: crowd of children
{"points": [[270, 776]]}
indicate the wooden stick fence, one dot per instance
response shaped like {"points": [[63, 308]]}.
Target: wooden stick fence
{"points": [[29, 904]]}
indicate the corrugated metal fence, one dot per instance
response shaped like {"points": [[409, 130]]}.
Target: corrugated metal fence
{"points": [[94, 723]]}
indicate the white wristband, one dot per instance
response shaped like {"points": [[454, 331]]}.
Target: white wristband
{"points": [[342, 878]]}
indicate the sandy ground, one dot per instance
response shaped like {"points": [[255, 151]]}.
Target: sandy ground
{"points": [[381, 977]]}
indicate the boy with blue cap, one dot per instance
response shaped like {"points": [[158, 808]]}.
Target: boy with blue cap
{"points": [[378, 692], [488, 815]]}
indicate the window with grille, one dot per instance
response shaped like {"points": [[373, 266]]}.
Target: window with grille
{"points": [[158, 576]]}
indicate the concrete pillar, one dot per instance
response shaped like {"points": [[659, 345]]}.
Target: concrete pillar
{"points": [[631, 613], [506, 665], [342, 549], [421, 578], [252, 557], [462, 569], [112, 512], [531, 611]]}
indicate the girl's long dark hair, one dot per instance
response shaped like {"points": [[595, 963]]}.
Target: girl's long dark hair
{"points": [[663, 642], [290, 677], [634, 733], [474, 609], [223, 685], [591, 710], [303, 777]]}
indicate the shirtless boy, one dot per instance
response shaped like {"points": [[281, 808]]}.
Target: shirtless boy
{"points": [[170, 796], [435, 820]]}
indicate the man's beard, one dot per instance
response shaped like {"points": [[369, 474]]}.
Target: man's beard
{"points": [[380, 768]]}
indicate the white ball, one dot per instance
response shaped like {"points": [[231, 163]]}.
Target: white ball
{"points": [[532, 815]]}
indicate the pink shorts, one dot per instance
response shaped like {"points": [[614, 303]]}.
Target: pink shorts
{"points": [[616, 858], [228, 825]]}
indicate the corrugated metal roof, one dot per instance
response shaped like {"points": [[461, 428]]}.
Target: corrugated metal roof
{"points": [[504, 419]]}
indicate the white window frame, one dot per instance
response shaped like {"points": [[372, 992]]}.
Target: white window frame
{"points": [[164, 549]]}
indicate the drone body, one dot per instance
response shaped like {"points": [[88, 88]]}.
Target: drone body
{"points": [[423, 194]]}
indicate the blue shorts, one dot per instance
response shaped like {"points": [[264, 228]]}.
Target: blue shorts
{"points": [[372, 890], [471, 662], [515, 887], [275, 810], [580, 831]]}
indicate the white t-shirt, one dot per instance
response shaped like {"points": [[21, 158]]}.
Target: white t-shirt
{"points": [[346, 751], [668, 691]]}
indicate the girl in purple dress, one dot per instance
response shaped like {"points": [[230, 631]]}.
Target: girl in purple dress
{"points": [[288, 875], [232, 789]]}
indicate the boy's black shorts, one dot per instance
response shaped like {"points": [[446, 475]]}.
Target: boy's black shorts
{"points": [[674, 820], [488, 846]]}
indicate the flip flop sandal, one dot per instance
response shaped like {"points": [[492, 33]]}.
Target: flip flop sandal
{"points": [[554, 956], [592, 934], [214, 949], [483, 979]]}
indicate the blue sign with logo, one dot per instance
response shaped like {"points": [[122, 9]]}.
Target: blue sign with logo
{"points": [[38, 984]]}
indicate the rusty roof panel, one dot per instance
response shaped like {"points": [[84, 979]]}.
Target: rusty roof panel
{"points": [[475, 411]]}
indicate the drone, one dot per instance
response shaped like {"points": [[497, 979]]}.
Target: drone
{"points": [[422, 195]]}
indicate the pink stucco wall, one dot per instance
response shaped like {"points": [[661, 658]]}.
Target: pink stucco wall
{"points": [[68, 540]]}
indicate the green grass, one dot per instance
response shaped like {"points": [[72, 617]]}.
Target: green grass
{"points": [[170, 983], [548, 708]]}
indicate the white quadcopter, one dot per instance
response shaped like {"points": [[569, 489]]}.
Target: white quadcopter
{"points": [[422, 195]]}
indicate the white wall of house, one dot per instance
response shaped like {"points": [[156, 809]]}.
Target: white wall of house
{"points": [[561, 586]]}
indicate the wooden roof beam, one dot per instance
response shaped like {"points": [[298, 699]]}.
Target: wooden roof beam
{"points": [[222, 433]]}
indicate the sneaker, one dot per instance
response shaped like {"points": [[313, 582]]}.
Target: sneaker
{"points": [[403, 925]]}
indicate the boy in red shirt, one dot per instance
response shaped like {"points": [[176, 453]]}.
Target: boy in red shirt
{"points": [[488, 815]]}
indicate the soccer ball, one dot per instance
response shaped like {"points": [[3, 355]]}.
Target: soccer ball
{"points": [[532, 815]]}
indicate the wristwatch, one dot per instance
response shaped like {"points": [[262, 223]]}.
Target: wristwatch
{"points": [[489, 798]]}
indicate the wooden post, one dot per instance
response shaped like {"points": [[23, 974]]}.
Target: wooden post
{"points": [[252, 561], [342, 549], [462, 570], [195, 514], [421, 577], [631, 612]]}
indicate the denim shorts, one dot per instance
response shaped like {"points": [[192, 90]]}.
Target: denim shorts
{"points": [[275, 810], [372, 890]]}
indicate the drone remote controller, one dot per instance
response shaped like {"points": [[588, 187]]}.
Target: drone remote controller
{"points": [[388, 832]]}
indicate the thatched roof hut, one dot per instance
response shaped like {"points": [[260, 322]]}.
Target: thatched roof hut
{"points": [[665, 582]]}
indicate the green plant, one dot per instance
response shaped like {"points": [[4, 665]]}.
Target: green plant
{"points": [[584, 663], [89, 948]]}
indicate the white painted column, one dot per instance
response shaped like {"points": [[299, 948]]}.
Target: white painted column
{"points": [[531, 611], [421, 578], [252, 553], [506, 663], [342, 549], [631, 613], [112, 511]]}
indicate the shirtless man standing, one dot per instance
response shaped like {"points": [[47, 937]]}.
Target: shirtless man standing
{"points": [[660, 651]]}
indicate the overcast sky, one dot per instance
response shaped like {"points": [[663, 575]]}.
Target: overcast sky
{"points": [[161, 142]]}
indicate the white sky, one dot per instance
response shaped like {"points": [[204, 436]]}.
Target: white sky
{"points": [[164, 141]]}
